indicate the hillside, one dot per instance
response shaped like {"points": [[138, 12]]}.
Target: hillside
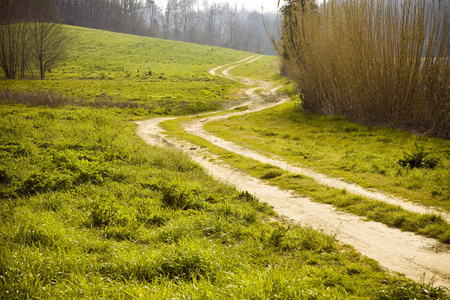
{"points": [[121, 67]]}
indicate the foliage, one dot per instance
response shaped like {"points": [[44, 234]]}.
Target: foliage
{"points": [[418, 159], [110, 234], [374, 62]]}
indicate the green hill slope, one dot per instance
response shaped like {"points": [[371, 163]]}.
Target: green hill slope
{"points": [[121, 67]]}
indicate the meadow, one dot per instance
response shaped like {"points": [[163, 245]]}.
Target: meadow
{"points": [[338, 148], [89, 211], [164, 77]]}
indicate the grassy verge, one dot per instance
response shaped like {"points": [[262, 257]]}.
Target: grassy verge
{"points": [[261, 69], [429, 225], [105, 66], [368, 156], [89, 211]]}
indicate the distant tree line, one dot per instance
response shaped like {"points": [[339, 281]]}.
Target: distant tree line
{"points": [[31, 38], [182, 20]]}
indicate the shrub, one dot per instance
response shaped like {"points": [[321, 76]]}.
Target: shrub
{"points": [[418, 159], [375, 62]]}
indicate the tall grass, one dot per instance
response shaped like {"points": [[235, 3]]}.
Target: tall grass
{"points": [[54, 99], [376, 62]]}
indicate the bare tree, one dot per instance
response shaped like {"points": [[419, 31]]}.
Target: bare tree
{"points": [[233, 25], [187, 16], [30, 36], [210, 26], [48, 41], [151, 12], [13, 36]]}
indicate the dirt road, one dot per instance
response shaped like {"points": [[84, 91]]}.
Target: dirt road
{"points": [[415, 256]]}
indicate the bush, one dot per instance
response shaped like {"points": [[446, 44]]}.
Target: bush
{"points": [[418, 159], [377, 63]]}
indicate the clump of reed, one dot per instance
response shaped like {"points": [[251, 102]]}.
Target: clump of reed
{"points": [[383, 62]]}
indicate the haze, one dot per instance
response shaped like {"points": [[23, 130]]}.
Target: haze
{"points": [[269, 5]]}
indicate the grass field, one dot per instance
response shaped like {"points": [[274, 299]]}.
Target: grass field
{"points": [[430, 225], [170, 77], [89, 211]]}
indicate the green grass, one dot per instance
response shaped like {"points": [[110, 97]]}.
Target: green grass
{"points": [[89, 211], [368, 156], [429, 225], [261, 69], [107, 65]]}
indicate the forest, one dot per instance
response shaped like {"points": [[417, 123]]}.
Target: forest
{"points": [[207, 23]]}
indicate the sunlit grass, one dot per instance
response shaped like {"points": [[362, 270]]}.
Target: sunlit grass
{"points": [[171, 75], [365, 155], [88, 210], [392, 215]]}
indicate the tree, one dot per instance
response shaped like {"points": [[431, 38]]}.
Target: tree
{"points": [[151, 10], [233, 26], [13, 37], [30, 36], [48, 41]]}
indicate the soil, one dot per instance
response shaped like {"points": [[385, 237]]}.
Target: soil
{"points": [[417, 257]]}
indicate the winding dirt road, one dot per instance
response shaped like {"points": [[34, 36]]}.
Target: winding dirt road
{"points": [[414, 256]]}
